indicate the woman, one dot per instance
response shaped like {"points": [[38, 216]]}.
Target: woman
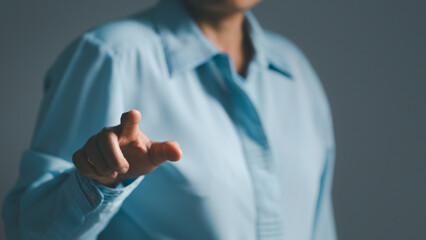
{"points": [[243, 104]]}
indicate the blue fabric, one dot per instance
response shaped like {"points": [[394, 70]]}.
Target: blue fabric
{"points": [[258, 152]]}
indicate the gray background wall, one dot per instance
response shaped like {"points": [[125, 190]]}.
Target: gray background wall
{"points": [[370, 55]]}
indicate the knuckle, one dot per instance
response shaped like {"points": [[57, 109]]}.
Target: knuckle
{"points": [[123, 162], [155, 157], [160, 151], [116, 164], [106, 138], [106, 130], [109, 136]]}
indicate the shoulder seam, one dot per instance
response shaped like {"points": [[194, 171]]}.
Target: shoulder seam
{"points": [[101, 44]]}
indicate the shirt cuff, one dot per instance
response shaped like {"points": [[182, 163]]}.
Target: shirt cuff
{"points": [[98, 194]]}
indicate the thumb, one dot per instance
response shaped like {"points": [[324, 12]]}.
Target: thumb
{"points": [[160, 152], [130, 122]]}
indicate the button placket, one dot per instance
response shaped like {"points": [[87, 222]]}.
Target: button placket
{"points": [[257, 153]]}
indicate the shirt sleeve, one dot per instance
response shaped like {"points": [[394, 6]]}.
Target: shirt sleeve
{"points": [[51, 200], [324, 226], [324, 223]]}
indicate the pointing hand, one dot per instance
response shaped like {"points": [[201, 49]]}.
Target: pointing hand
{"points": [[123, 151]]}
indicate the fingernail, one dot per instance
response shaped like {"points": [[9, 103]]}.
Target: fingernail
{"points": [[122, 170]]}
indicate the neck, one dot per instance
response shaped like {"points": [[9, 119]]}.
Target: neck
{"points": [[226, 31]]}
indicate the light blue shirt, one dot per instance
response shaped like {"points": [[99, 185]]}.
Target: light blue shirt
{"points": [[258, 152]]}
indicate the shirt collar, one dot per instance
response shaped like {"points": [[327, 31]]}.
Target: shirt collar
{"points": [[186, 47]]}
